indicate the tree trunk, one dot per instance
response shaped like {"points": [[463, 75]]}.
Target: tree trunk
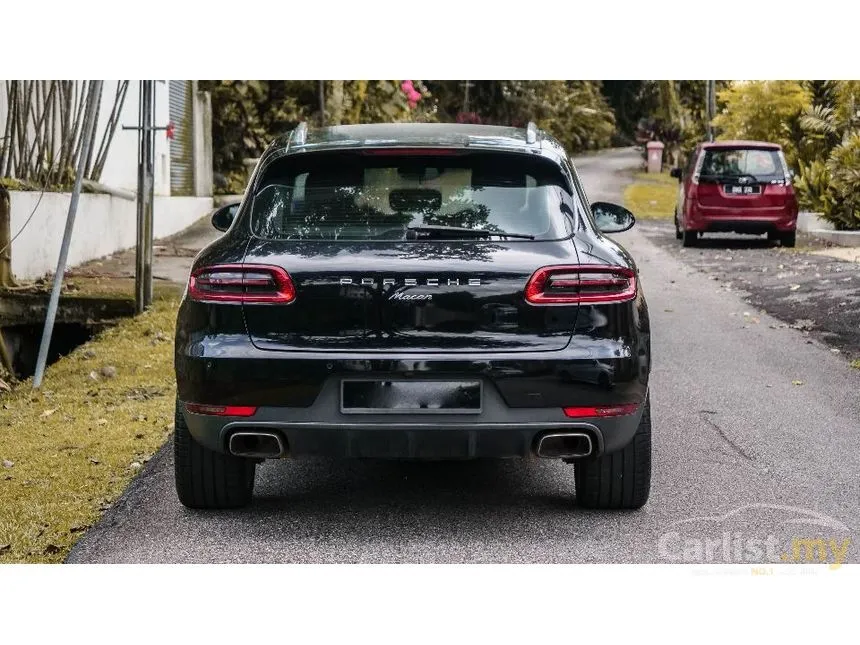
{"points": [[322, 102], [335, 103], [6, 279]]}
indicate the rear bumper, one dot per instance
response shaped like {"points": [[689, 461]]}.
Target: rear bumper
{"points": [[738, 220], [497, 432], [297, 396]]}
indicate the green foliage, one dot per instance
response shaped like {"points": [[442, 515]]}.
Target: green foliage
{"points": [[813, 186], [247, 115], [829, 153], [844, 169], [763, 111], [575, 112]]}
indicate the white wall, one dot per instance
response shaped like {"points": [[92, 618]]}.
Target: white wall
{"points": [[120, 169], [103, 224]]}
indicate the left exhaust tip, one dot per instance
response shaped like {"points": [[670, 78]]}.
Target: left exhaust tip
{"points": [[259, 445]]}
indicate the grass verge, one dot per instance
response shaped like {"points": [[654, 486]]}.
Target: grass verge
{"points": [[652, 196], [68, 450]]}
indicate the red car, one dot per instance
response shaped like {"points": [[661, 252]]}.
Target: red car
{"points": [[736, 186]]}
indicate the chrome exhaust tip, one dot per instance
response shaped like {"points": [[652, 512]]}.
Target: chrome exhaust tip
{"points": [[564, 445], [258, 445]]}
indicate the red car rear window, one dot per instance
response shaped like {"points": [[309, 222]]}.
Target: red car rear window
{"points": [[761, 165]]}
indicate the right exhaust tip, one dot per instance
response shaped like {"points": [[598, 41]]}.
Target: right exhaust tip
{"points": [[258, 445], [564, 445]]}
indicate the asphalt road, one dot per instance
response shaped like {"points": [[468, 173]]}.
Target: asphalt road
{"points": [[757, 442]]}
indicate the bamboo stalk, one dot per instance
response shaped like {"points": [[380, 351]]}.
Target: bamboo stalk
{"points": [[4, 145], [77, 136], [119, 101], [98, 100]]}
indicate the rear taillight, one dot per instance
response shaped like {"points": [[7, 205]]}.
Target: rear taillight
{"points": [[601, 411], [567, 285], [221, 410], [697, 170], [241, 283], [785, 171]]}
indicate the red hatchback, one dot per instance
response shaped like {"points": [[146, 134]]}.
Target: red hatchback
{"points": [[736, 186]]}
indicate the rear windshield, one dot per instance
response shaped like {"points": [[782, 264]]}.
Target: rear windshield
{"points": [[386, 195], [755, 163]]}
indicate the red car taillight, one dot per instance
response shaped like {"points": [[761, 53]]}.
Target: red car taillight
{"points": [[241, 283], [602, 411], [221, 410], [568, 285]]}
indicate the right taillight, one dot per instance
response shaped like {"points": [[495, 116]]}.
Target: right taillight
{"points": [[241, 283], [567, 285]]}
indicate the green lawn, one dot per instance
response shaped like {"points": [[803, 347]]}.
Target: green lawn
{"points": [[652, 196], [68, 450]]}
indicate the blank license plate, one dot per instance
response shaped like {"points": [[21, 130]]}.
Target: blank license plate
{"points": [[414, 397]]}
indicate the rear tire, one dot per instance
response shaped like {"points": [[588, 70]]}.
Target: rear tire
{"points": [[789, 239], [208, 479], [689, 238], [619, 480]]}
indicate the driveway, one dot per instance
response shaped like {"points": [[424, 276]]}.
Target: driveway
{"points": [[755, 458]]}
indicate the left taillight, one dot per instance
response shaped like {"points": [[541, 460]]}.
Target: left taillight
{"points": [[221, 410], [587, 284], [241, 283]]}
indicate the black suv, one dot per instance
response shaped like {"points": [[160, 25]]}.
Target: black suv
{"points": [[414, 291]]}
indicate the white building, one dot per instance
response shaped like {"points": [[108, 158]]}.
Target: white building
{"points": [[106, 223]]}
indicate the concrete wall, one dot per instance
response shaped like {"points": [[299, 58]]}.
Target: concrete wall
{"points": [[104, 224]]}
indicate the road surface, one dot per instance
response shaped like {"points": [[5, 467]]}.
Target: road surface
{"points": [[756, 446]]}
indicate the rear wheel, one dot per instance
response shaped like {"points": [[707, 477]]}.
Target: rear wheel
{"points": [[788, 239], [689, 238], [208, 479], [619, 480]]}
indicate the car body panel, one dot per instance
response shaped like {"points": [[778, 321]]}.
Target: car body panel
{"points": [[531, 361]]}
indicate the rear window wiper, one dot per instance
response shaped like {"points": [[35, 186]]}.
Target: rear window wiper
{"points": [[427, 231]]}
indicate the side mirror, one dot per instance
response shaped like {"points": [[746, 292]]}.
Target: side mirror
{"points": [[223, 217], [676, 173], [612, 218]]}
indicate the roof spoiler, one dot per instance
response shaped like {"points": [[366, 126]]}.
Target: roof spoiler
{"points": [[531, 133], [300, 134]]}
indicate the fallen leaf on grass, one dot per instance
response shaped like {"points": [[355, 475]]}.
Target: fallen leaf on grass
{"points": [[94, 461], [5, 547], [51, 549], [108, 371], [7, 463], [47, 413]]}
